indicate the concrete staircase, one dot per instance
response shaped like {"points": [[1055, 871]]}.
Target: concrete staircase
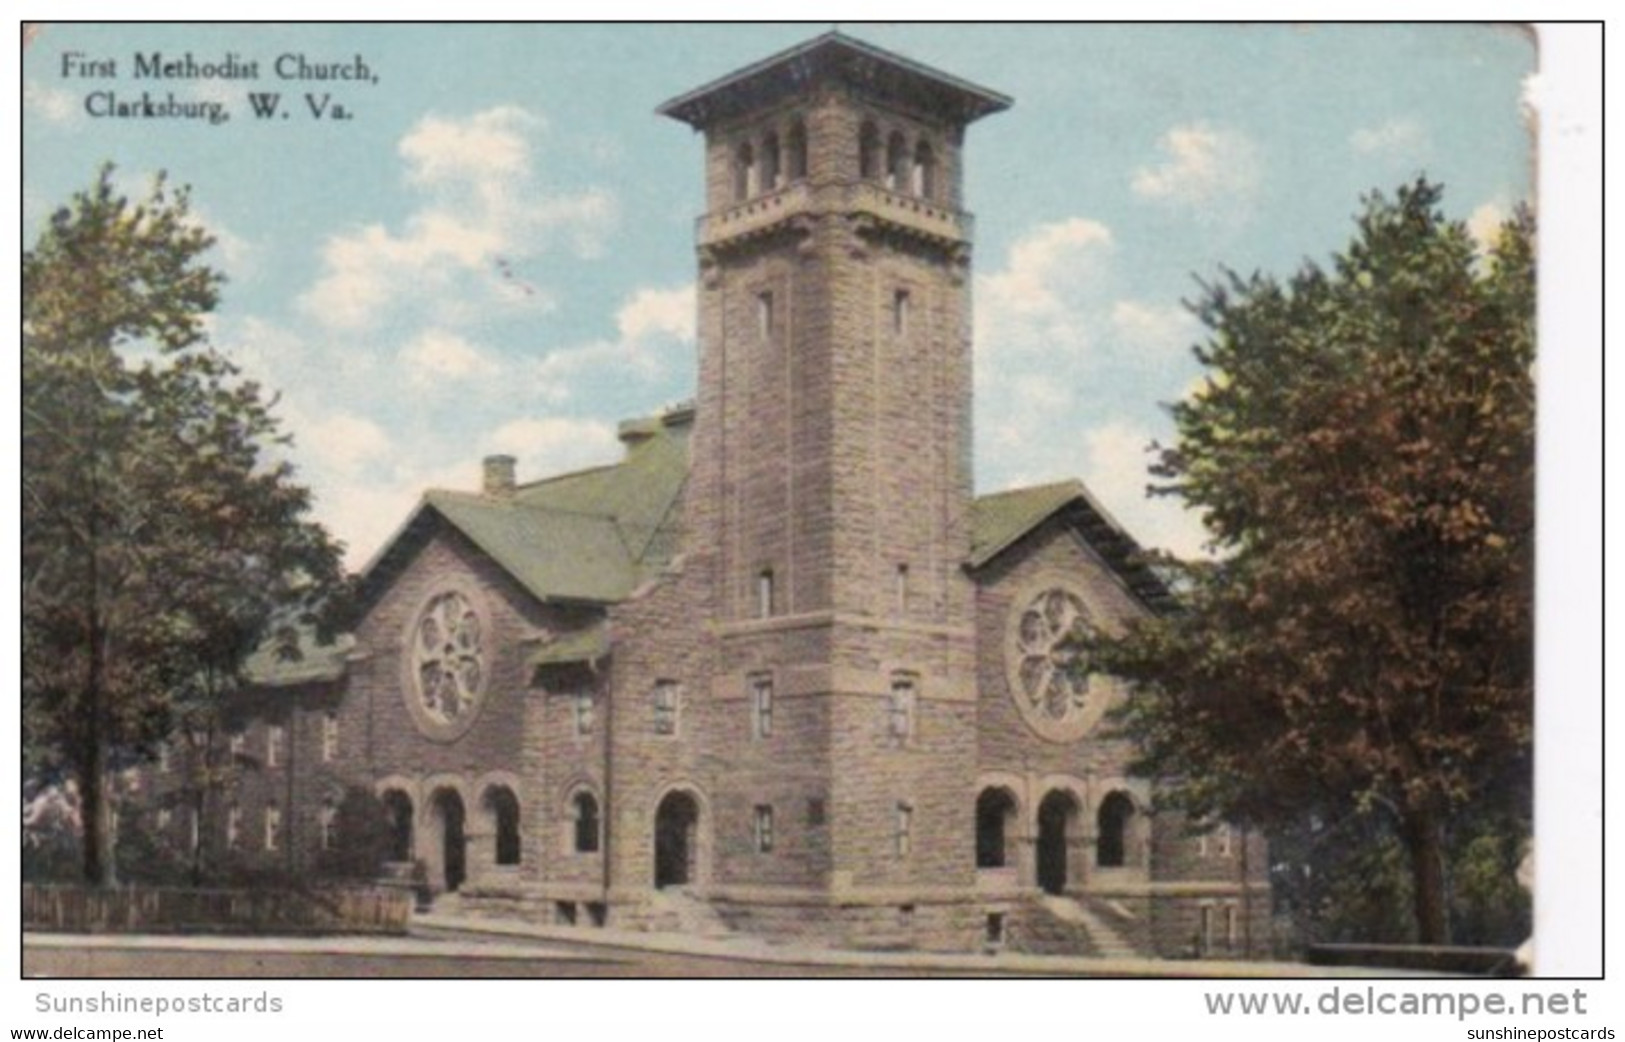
{"points": [[675, 911], [1103, 939]]}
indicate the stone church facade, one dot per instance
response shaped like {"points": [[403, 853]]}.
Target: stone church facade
{"points": [[778, 670]]}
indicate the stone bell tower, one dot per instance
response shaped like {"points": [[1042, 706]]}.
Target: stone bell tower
{"points": [[830, 484]]}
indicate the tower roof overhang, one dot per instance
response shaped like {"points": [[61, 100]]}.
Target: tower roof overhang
{"points": [[835, 57]]}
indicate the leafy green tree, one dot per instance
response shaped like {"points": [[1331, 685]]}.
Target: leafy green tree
{"points": [[161, 540], [1362, 453]]}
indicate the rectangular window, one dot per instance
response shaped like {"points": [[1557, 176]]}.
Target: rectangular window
{"points": [[273, 745], [764, 593], [239, 742], [192, 825], [815, 812], [902, 709], [1207, 928], [1225, 839], [667, 696], [131, 779], [764, 828], [165, 819], [273, 828], [234, 826], [905, 829], [761, 696], [901, 589], [899, 312], [1229, 926], [764, 315], [330, 826], [330, 736], [164, 762], [583, 713]]}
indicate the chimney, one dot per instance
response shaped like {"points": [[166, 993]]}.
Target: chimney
{"points": [[498, 477]]}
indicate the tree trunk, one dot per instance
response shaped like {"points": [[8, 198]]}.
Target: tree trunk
{"points": [[1423, 834]]}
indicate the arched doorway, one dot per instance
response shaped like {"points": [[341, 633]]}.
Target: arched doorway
{"points": [[1111, 844], [398, 818], [1057, 819], [502, 807], [449, 817], [676, 839], [995, 815]]}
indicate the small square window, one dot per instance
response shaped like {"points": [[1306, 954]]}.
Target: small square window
{"points": [[273, 828], [330, 736], [667, 699], [764, 828], [764, 593], [761, 695], [901, 709], [764, 315], [585, 715]]}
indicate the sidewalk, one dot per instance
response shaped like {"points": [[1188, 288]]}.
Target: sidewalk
{"points": [[756, 949]]}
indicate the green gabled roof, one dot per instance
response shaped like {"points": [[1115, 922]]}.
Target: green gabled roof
{"points": [[302, 660], [1000, 520], [592, 535], [553, 554]]}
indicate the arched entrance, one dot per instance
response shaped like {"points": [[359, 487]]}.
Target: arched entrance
{"points": [[676, 839], [995, 815], [1057, 819], [449, 816], [398, 818], [1111, 846]]}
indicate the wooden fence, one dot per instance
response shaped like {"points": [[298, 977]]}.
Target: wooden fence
{"points": [[74, 909]]}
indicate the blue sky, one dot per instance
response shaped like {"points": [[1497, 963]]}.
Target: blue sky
{"points": [[495, 252]]}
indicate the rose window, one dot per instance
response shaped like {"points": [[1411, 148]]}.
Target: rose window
{"points": [[1052, 677], [448, 659]]}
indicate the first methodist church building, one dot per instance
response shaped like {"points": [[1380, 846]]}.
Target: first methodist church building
{"points": [[778, 671]]}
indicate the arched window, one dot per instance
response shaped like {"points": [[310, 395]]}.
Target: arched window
{"points": [[770, 163], [744, 172], [796, 152], [1111, 846], [995, 813], [896, 162], [584, 815], [503, 807], [869, 152], [925, 171]]}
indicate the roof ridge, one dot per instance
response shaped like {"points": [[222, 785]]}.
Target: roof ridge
{"points": [[475, 498]]}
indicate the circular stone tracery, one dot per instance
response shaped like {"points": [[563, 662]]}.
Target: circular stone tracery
{"points": [[1051, 678], [447, 664]]}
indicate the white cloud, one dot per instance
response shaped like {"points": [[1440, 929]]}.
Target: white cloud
{"points": [[461, 253], [1399, 138], [1038, 296], [1115, 470], [52, 104], [488, 147], [342, 443], [1153, 328], [555, 444], [1202, 164], [659, 312], [653, 325], [437, 357]]}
